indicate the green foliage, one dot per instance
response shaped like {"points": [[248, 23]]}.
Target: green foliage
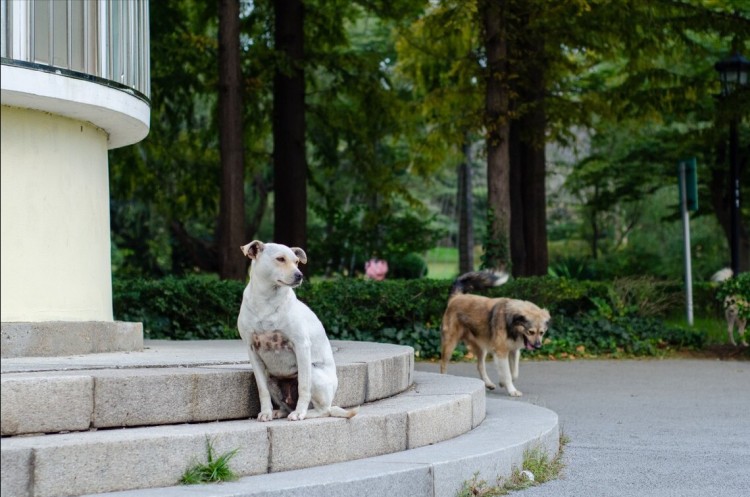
{"points": [[216, 469], [570, 267], [738, 286], [595, 333], [589, 318], [646, 296], [189, 308], [395, 89], [409, 266]]}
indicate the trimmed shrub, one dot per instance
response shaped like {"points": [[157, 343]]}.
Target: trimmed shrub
{"points": [[189, 308], [595, 317]]}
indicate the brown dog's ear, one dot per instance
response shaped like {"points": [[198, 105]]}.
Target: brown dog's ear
{"points": [[252, 249], [513, 320], [300, 254]]}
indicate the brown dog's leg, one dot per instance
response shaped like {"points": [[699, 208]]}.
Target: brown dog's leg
{"points": [[449, 339], [482, 368], [503, 369]]}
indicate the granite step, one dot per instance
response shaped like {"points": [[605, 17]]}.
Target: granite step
{"points": [[172, 382], [434, 408], [488, 452]]}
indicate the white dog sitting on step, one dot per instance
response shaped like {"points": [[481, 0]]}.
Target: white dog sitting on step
{"points": [[289, 351]]}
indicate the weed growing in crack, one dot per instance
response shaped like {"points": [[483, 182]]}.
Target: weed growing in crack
{"points": [[535, 460], [216, 469]]}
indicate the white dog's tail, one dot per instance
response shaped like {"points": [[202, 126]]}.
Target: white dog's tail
{"points": [[340, 412], [478, 280]]}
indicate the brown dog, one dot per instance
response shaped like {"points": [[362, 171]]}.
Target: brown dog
{"points": [[499, 326]]}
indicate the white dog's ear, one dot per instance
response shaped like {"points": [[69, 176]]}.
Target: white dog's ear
{"points": [[300, 254], [252, 249]]}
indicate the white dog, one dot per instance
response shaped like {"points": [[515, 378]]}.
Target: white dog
{"points": [[732, 305], [289, 351]]}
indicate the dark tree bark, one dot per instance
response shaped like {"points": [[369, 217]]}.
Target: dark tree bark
{"points": [[528, 196], [517, 238], [289, 161], [190, 253], [527, 157], [232, 264], [465, 213], [497, 250]]}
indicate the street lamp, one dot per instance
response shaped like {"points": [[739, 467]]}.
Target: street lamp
{"points": [[734, 72]]}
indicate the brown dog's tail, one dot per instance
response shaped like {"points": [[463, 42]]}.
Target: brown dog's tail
{"points": [[477, 280]]}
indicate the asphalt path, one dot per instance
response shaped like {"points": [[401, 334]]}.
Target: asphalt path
{"points": [[639, 428]]}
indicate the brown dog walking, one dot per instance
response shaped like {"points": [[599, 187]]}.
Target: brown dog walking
{"points": [[501, 327]]}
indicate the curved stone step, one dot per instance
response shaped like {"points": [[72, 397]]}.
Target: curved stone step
{"points": [[172, 382], [489, 451], [434, 409]]}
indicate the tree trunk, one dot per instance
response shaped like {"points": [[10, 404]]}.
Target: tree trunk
{"points": [[289, 161], [517, 208], [260, 188], [232, 264], [527, 146], [465, 213], [533, 164], [497, 252]]}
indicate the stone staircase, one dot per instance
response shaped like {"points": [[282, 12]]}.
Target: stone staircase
{"points": [[131, 423]]}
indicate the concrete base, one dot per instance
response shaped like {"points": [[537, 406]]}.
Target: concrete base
{"points": [[63, 338]]}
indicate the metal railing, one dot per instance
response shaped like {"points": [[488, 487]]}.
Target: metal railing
{"points": [[107, 39]]}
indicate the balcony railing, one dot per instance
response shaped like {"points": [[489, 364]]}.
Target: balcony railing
{"points": [[106, 39]]}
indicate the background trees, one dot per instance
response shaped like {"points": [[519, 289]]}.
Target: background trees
{"points": [[231, 146], [393, 102]]}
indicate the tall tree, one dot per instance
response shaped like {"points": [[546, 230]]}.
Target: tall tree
{"points": [[232, 197], [465, 214], [494, 21], [289, 159], [527, 141]]}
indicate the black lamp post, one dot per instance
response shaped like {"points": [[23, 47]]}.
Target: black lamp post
{"points": [[734, 72]]}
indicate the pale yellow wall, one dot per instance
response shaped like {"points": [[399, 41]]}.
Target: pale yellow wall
{"points": [[55, 219]]}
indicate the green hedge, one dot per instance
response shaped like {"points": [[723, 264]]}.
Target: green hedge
{"points": [[191, 308], [597, 316]]}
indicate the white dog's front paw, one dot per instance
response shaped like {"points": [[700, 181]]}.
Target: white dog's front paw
{"points": [[297, 416], [515, 393], [265, 416]]}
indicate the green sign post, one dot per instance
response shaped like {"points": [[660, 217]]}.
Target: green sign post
{"points": [[688, 182], [690, 178]]}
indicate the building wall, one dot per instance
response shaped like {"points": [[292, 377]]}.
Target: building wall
{"points": [[55, 219]]}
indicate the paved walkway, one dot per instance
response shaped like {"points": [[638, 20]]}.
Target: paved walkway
{"points": [[643, 428]]}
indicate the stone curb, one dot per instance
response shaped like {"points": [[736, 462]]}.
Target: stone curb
{"points": [[54, 338], [136, 458], [488, 452], [128, 391]]}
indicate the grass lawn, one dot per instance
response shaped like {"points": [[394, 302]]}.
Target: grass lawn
{"points": [[442, 262], [715, 328]]}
